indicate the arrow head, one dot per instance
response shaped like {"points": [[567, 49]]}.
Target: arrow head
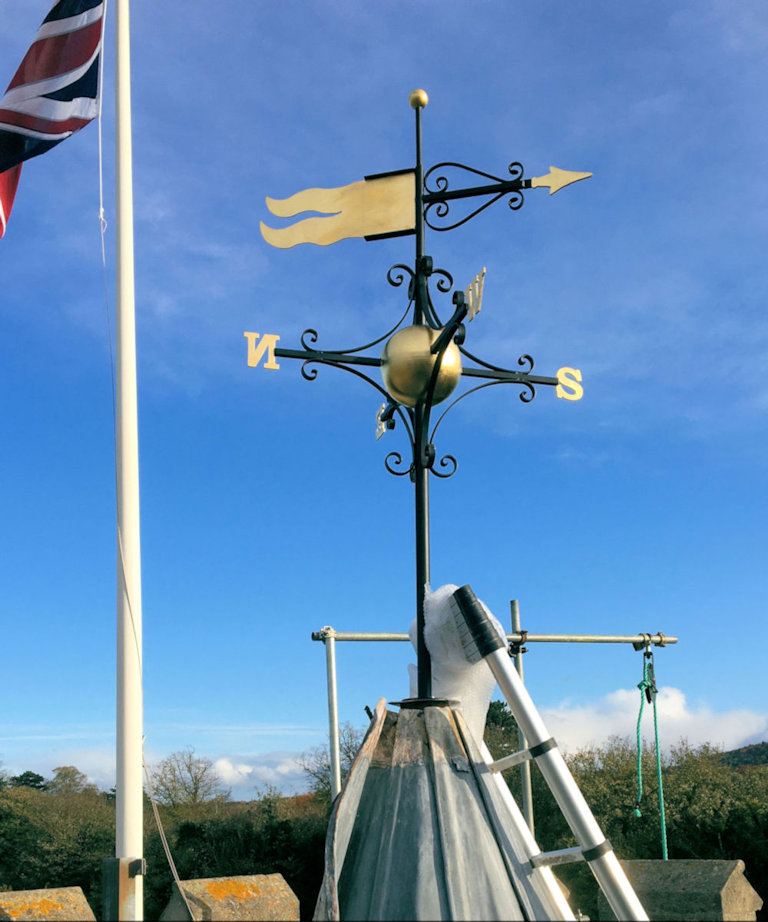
{"points": [[557, 179]]}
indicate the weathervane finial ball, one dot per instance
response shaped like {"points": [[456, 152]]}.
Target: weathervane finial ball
{"points": [[418, 99], [407, 365]]}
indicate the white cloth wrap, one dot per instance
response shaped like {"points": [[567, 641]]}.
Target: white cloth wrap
{"points": [[453, 676]]}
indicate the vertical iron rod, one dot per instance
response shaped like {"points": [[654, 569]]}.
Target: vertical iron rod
{"points": [[421, 493], [420, 426], [525, 767], [418, 316]]}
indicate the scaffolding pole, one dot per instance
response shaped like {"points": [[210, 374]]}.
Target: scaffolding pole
{"points": [[526, 789], [637, 640], [329, 637]]}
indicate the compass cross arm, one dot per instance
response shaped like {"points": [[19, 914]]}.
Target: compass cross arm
{"points": [[567, 382]]}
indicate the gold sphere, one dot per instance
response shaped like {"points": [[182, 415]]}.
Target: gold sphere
{"points": [[418, 99], [407, 363]]}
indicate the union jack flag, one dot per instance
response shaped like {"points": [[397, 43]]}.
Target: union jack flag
{"points": [[53, 94]]}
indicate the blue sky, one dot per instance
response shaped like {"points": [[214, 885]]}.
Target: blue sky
{"points": [[266, 509]]}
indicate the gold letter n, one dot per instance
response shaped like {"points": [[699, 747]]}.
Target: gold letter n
{"points": [[256, 353]]}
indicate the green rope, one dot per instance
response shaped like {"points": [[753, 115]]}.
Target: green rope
{"points": [[648, 692], [639, 797], [662, 816]]}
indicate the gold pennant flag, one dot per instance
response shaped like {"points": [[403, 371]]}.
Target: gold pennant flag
{"points": [[378, 206]]}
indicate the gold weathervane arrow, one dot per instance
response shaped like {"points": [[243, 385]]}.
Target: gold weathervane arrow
{"points": [[557, 179], [380, 205]]}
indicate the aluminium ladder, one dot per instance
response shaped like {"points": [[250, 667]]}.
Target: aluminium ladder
{"points": [[481, 640]]}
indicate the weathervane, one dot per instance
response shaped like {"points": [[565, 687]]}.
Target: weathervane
{"points": [[422, 362]]}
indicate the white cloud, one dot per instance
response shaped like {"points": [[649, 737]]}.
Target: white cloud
{"points": [[248, 774], [578, 725], [231, 773]]}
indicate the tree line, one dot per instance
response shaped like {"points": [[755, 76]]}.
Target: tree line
{"points": [[55, 831]]}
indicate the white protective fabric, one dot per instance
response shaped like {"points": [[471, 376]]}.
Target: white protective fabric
{"points": [[453, 676]]}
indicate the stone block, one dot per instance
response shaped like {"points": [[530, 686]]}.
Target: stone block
{"points": [[690, 890], [253, 898], [61, 904]]}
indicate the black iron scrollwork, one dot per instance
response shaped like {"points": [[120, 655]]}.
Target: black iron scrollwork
{"points": [[418, 289], [446, 461], [310, 335], [416, 420], [393, 461], [445, 282], [309, 339], [396, 279], [524, 360], [439, 194], [308, 370]]}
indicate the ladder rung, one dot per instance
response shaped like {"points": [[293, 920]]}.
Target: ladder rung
{"points": [[533, 752], [500, 765], [561, 856]]}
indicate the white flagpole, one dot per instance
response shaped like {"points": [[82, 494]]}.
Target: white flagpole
{"points": [[129, 806]]}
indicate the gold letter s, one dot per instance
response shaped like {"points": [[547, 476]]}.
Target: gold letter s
{"points": [[256, 353], [569, 378]]}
